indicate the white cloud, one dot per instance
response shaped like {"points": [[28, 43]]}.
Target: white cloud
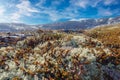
{"points": [[78, 19], [15, 17], [56, 2], [25, 6], [82, 4], [108, 2], [79, 3], [85, 3], [71, 12], [24, 9], [108, 13], [3, 18], [95, 3], [2, 10], [41, 2], [17, 11], [104, 12], [53, 13]]}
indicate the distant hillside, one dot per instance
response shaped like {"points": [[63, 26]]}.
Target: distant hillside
{"points": [[74, 25], [5, 27], [82, 24]]}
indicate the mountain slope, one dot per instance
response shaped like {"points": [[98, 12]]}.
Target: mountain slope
{"points": [[108, 35], [82, 24], [16, 27]]}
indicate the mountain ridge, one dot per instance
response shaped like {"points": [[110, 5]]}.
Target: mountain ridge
{"points": [[82, 24]]}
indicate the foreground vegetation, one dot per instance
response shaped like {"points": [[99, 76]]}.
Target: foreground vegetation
{"points": [[56, 55]]}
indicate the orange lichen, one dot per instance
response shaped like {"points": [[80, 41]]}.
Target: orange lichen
{"points": [[17, 78]]}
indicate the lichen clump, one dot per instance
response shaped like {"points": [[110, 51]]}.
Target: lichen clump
{"points": [[50, 55]]}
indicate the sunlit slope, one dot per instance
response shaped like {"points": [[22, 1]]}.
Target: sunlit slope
{"points": [[108, 35]]}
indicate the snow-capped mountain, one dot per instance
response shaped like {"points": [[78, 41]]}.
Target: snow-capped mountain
{"points": [[81, 24], [5, 27]]}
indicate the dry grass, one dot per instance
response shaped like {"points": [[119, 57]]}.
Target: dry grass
{"points": [[109, 36]]}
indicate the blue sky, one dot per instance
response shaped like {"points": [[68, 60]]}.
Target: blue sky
{"points": [[47, 11]]}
